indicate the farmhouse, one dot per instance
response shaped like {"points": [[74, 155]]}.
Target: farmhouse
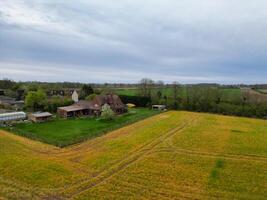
{"points": [[40, 116], [93, 107]]}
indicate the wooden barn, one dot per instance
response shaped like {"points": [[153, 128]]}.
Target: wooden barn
{"points": [[93, 107], [40, 116]]}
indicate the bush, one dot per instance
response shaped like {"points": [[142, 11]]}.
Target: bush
{"points": [[56, 102], [90, 97], [107, 113]]}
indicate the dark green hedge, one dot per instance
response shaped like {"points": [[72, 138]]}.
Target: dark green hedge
{"points": [[139, 101]]}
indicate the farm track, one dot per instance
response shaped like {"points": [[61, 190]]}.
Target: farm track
{"points": [[89, 183]]}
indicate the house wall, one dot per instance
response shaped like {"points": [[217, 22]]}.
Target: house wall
{"points": [[62, 113], [75, 96], [38, 119]]}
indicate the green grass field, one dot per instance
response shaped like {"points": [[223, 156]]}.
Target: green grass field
{"points": [[172, 155], [62, 132], [228, 94], [263, 91]]}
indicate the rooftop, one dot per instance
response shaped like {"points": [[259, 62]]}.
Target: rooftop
{"points": [[42, 114]]}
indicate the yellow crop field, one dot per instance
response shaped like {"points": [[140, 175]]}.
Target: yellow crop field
{"points": [[173, 155]]}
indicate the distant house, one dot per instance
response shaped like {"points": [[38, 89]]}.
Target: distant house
{"points": [[61, 92], [56, 93], [8, 101], [40, 116], [5, 100], [91, 108], [75, 96]]}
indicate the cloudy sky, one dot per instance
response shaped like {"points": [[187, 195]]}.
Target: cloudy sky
{"points": [[188, 41]]}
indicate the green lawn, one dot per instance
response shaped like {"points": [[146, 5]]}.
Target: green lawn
{"points": [[63, 132]]}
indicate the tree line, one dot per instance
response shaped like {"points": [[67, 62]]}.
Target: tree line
{"points": [[204, 98], [198, 97]]}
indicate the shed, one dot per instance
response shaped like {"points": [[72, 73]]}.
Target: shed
{"points": [[40, 116], [159, 107], [12, 116]]}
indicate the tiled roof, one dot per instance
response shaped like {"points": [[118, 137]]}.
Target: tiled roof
{"points": [[96, 104], [42, 114]]}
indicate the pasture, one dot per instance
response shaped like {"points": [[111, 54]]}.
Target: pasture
{"points": [[64, 132], [227, 94], [173, 155]]}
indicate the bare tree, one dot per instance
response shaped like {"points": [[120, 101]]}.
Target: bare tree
{"points": [[145, 87]]}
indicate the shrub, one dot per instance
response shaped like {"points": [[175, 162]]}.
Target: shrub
{"points": [[90, 97], [107, 113]]}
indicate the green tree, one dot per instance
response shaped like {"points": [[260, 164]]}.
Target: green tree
{"points": [[86, 91], [90, 97], [36, 100], [107, 113]]}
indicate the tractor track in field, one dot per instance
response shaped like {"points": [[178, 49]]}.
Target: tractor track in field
{"points": [[35, 194], [88, 183], [133, 152], [179, 192], [48, 193], [238, 157], [151, 147]]}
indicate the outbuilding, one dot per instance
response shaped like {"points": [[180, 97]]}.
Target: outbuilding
{"points": [[40, 116], [12, 116], [159, 107]]}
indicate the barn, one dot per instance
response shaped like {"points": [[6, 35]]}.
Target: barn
{"points": [[93, 107], [80, 108], [40, 116]]}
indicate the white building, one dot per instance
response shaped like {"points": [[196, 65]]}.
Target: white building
{"points": [[75, 96]]}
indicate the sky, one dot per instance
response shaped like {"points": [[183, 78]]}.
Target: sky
{"points": [[188, 41]]}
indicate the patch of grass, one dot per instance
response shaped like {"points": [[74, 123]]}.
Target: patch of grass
{"points": [[216, 170], [237, 131], [62, 132]]}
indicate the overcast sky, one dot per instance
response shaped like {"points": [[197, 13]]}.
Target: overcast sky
{"points": [[189, 41]]}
